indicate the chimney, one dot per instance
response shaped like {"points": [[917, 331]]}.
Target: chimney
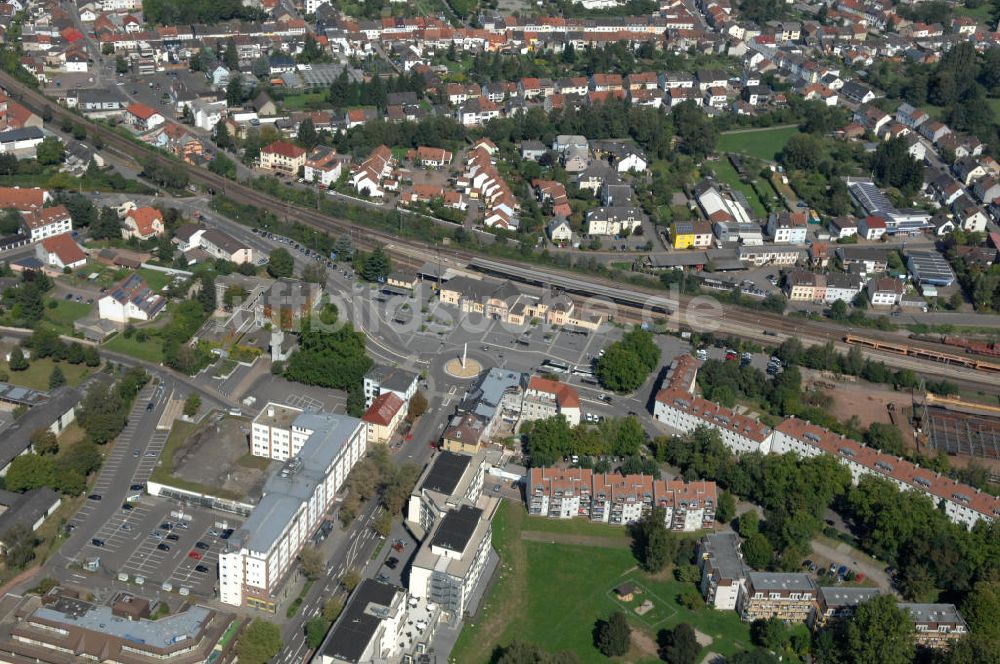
{"points": [[270, 411]]}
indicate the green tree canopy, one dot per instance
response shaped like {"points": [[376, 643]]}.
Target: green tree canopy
{"points": [[280, 263]]}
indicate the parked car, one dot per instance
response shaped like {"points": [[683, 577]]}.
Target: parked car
{"points": [[94, 496], [97, 542], [194, 554], [163, 547]]}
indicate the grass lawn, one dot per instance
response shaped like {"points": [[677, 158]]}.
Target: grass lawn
{"points": [[553, 594], [304, 101], [764, 144], [154, 278], [36, 376], [65, 313], [995, 106], [150, 350], [726, 173]]}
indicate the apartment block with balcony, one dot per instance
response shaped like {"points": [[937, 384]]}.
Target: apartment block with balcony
{"points": [[723, 570], [787, 596], [560, 493], [449, 481], [935, 625]]}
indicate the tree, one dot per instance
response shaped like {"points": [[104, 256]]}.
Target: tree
{"points": [[220, 135], [314, 273], [613, 635], [377, 266], [259, 642], [50, 151], [311, 562], [223, 165], [121, 65], [691, 598], [234, 91], [653, 544], [30, 471], [192, 404], [107, 226], [17, 361], [880, 632], [260, 67], [839, 310], [10, 221], [894, 167], [383, 523], [981, 609], [350, 579], [418, 406], [43, 442], [680, 645], [332, 608], [20, 542], [725, 510], [91, 357], [280, 263], [885, 437], [344, 248], [307, 136], [769, 633], [316, 630], [56, 378], [230, 57], [757, 551]]}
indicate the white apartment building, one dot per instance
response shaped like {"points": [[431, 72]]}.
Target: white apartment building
{"points": [[451, 562], [962, 503], [546, 398], [370, 627], [47, 222], [681, 411], [381, 379], [295, 500], [723, 570], [449, 481]]}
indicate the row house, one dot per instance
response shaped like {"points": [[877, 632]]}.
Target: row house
{"points": [[565, 493], [368, 177], [683, 412], [962, 503], [483, 181]]}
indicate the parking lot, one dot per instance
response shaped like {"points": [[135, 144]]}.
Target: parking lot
{"points": [[185, 554], [270, 388]]}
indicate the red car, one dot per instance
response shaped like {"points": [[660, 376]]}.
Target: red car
{"points": [[408, 436], [195, 555], [859, 577]]}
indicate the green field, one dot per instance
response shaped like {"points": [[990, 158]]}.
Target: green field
{"points": [[764, 144], [65, 313], [306, 101], [725, 172], [36, 376], [552, 594], [154, 278], [150, 350]]}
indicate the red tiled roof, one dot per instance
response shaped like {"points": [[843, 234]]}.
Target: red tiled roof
{"points": [[144, 218], [21, 199], [285, 149], [65, 248], [45, 216], [142, 111], [383, 409], [566, 396]]}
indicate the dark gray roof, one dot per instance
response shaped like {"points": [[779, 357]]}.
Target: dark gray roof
{"points": [[16, 438], [26, 508], [358, 624], [27, 133], [445, 473], [456, 528]]}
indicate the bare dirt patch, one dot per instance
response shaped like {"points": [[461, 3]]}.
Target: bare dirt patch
{"points": [[644, 643], [216, 455], [870, 403]]}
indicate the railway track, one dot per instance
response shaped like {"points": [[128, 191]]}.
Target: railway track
{"points": [[635, 302]]}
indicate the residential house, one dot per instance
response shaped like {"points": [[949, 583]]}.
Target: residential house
{"points": [[544, 398], [143, 117], [691, 234], [282, 157], [788, 227], [885, 291], [615, 220], [872, 227], [384, 416], [60, 252], [130, 299], [560, 232], [723, 570], [143, 223], [322, 165]]}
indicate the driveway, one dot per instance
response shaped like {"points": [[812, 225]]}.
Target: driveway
{"points": [[844, 554]]}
